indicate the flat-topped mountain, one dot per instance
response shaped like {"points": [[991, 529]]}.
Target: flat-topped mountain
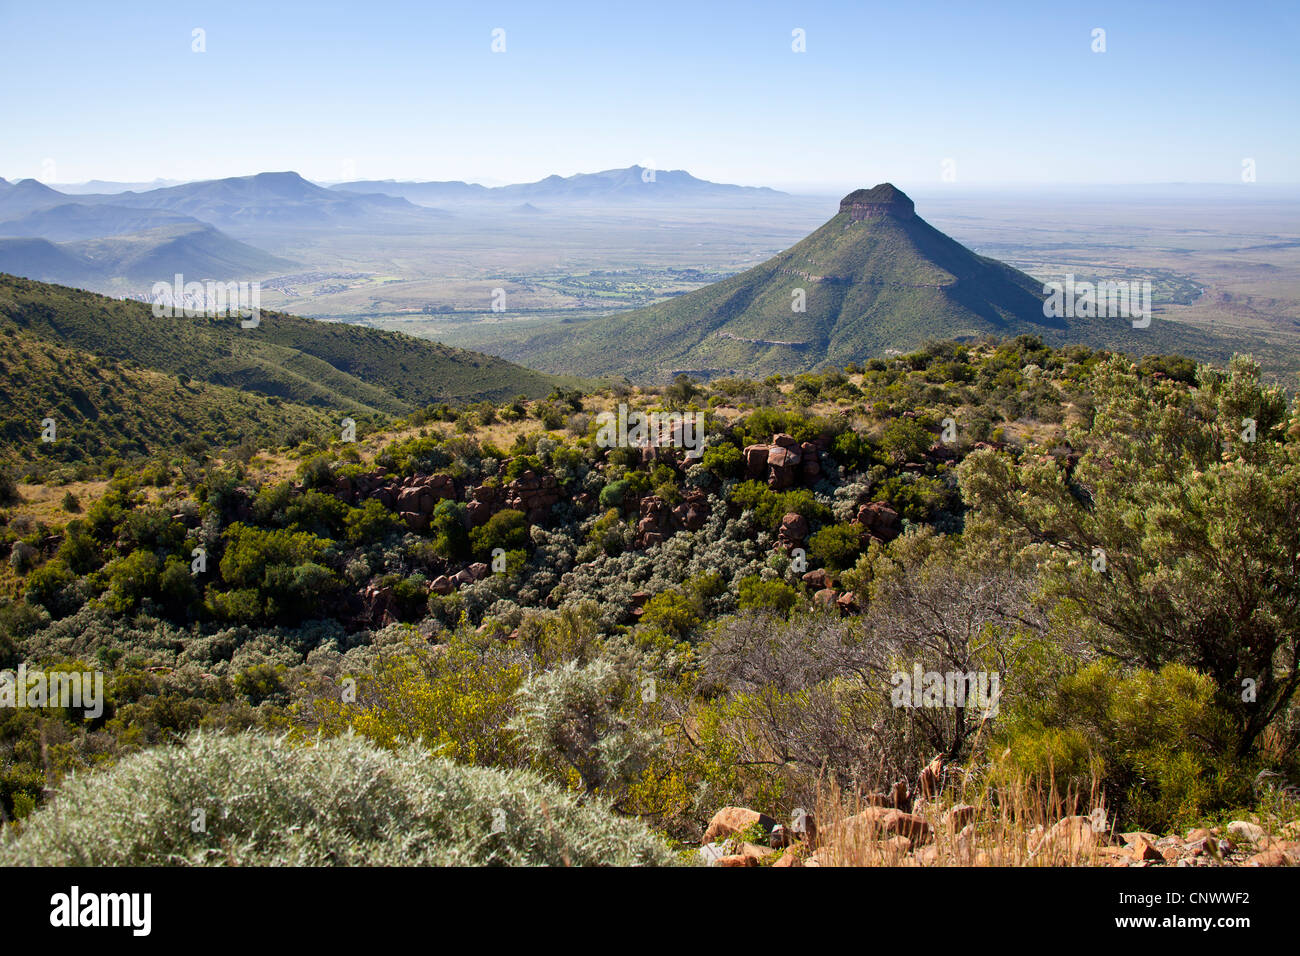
{"points": [[876, 277]]}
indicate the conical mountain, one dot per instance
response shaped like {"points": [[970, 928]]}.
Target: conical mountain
{"points": [[875, 277]]}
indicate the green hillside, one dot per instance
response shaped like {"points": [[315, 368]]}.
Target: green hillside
{"points": [[108, 411], [121, 381], [875, 278], [159, 253]]}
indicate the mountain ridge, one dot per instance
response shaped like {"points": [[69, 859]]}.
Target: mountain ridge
{"points": [[630, 184]]}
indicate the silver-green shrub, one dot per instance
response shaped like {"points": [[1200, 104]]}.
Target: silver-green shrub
{"points": [[341, 802]]}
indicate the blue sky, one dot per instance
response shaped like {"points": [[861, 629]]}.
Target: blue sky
{"points": [[1012, 93]]}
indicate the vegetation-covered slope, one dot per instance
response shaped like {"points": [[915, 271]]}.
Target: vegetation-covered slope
{"points": [[1116, 541], [875, 279], [117, 378]]}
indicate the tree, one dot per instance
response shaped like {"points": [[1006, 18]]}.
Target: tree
{"points": [[1177, 531]]}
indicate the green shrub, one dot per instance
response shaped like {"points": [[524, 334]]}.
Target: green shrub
{"points": [[757, 594], [1155, 737], [904, 440], [836, 546], [770, 506], [672, 613], [724, 461], [507, 529]]}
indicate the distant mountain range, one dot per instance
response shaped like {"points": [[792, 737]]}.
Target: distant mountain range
{"points": [[633, 185], [284, 200], [98, 238], [108, 186], [92, 239], [874, 278]]}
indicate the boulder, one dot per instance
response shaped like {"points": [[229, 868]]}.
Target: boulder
{"points": [[1070, 836], [1144, 851], [755, 851], [817, 580], [1273, 857], [959, 816], [1243, 831], [778, 457], [731, 820], [931, 777], [876, 823], [793, 530], [880, 520]]}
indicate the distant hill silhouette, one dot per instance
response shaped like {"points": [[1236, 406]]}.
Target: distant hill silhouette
{"points": [[633, 185]]}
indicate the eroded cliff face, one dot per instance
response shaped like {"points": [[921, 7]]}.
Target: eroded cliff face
{"points": [[882, 200]]}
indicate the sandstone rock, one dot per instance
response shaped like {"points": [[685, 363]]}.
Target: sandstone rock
{"points": [[441, 585], [778, 457], [755, 851], [880, 520], [788, 858], [901, 796], [479, 512], [959, 816], [897, 845], [1070, 836], [737, 859], [755, 461], [794, 528], [1244, 831], [1143, 850], [875, 822], [1269, 858], [731, 820], [817, 580], [929, 856], [930, 778]]}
